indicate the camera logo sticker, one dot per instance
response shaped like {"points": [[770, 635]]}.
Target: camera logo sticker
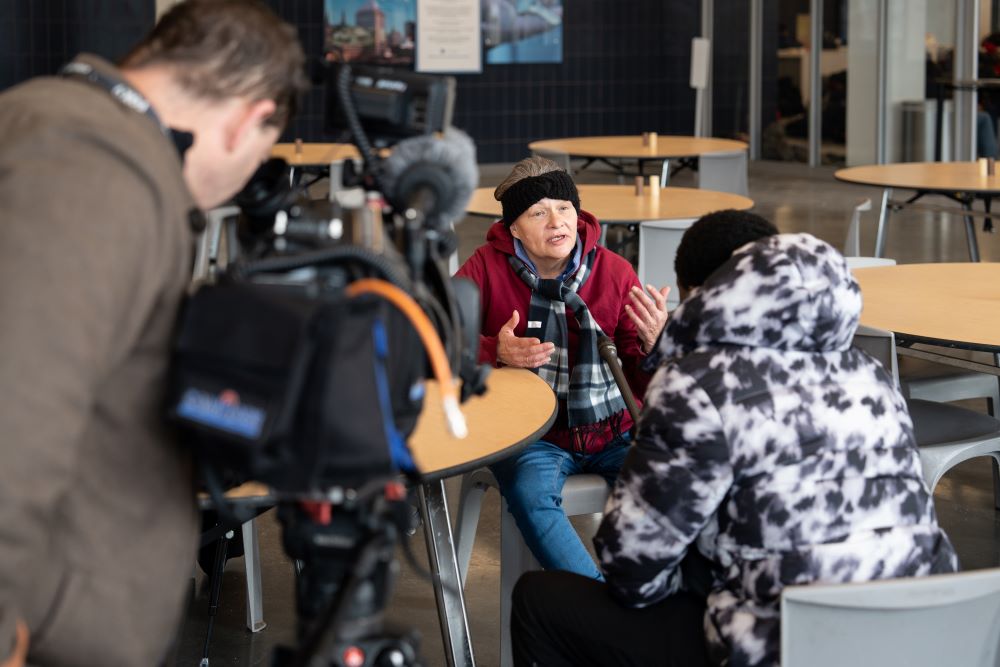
{"points": [[224, 412]]}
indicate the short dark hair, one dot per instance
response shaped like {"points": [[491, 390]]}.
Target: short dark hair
{"points": [[709, 242], [228, 48]]}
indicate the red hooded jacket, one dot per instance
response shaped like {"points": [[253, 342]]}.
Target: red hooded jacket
{"points": [[605, 293]]}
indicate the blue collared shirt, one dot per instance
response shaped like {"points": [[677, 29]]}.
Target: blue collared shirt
{"points": [[573, 265]]}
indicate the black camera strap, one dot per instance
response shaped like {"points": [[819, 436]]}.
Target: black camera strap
{"points": [[128, 97]]}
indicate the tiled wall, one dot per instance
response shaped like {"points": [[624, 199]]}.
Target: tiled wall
{"points": [[730, 85], [625, 70], [39, 36], [625, 67], [307, 17]]}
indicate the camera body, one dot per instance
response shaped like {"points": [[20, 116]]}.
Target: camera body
{"points": [[285, 372]]}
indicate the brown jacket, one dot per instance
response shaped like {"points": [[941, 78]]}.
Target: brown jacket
{"points": [[97, 519]]}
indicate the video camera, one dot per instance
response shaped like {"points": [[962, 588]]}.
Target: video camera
{"points": [[302, 363]]}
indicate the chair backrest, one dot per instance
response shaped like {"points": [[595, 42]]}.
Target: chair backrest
{"points": [[948, 619], [852, 245], [880, 345], [868, 262], [724, 172], [658, 241]]}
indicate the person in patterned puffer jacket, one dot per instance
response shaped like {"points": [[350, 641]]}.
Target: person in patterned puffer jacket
{"points": [[770, 453]]}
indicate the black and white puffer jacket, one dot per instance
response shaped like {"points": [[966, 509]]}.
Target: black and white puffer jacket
{"points": [[782, 453]]}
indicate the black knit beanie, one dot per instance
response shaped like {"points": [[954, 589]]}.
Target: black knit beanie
{"points": [[526, 192]]}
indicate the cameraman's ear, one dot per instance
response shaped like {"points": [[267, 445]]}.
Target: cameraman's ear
{"points": [[247, 121]]}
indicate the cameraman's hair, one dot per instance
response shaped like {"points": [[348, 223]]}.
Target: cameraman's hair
{"points": [[710, 241], [228, 48], [526, 168]]}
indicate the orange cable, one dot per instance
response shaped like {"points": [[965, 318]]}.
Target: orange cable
{"points": [[432, 343]]}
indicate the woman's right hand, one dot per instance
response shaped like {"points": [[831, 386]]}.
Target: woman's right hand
{"points": [[521, 352]]}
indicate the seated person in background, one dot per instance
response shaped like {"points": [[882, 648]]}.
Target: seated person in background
{"points": [[770, 453], [548, 292]]}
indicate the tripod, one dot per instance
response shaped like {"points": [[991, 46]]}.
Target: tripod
{"points": [[346, 570]]}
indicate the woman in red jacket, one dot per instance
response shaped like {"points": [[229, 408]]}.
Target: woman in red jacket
{"points": [[549, 291]]}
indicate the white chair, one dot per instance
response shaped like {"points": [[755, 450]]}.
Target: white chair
{"points": [[868, 262], [251, 561], [582, 494], [724, 172], [946, 434], [947, 619], [852, 245], [658, 242], [211, 256]]}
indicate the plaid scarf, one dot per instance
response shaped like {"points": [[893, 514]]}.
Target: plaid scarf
{"points": [[589, 390]]}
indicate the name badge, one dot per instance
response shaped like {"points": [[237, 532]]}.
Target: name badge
{"points": [[534, 324]]}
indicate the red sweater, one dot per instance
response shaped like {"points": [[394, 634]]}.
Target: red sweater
{"points": [[605, 293]]}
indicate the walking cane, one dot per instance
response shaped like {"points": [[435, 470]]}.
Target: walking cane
{"points": [[609, 353]]}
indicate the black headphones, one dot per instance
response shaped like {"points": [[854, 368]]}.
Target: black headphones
{"points": [[129, 97]]}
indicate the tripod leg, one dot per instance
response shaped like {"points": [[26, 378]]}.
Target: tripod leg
{"points": [[218, 568]]}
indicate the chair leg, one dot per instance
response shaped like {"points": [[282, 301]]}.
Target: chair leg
{"points": [[515, 560], [665, 173], [995, 465], [992, 403], [251, 554], [470, 502]]}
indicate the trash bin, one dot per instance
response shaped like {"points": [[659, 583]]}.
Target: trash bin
{"points": [[918, 125]]}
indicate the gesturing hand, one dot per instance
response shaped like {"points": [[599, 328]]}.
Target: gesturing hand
{"points": [[521, 352], [649, 314]]}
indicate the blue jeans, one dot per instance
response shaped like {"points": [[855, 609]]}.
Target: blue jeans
{"points": [[531, 482]]}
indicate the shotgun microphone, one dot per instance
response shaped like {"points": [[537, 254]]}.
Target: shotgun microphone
{"points": [[609, 353]]}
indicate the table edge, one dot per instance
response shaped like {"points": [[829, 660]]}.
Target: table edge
{"points": [[904, 339], [635, 156], [444, 473]]}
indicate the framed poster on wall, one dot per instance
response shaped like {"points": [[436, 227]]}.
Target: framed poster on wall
{"points": [[448, 36], [522, 31], [379, 32]]}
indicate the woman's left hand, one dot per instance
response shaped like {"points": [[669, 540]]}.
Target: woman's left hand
{"points": [[649, 313]]}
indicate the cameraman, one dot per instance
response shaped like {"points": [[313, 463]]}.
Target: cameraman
{"points": [[104, 172]]}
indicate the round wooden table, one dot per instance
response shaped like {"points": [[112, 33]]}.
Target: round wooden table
{"points": [[314, 155], [619, 203], [630, 147], [517, 408], [952, 305], [606, 149], [964, 182]]}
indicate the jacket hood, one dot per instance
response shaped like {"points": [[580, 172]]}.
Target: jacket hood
{"points": [[789, 292], [587, 227]]}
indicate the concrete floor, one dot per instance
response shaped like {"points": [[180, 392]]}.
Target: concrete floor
{"points": [[796, 198]]}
